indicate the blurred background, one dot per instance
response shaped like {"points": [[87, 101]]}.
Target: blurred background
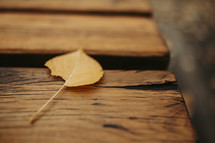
{"points": [[188, 28]]}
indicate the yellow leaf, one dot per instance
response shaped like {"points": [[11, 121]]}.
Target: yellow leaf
{"points": [[76, 68]]}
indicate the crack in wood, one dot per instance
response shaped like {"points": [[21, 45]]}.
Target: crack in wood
{"points": [[76, 12], [97, 103], [115, 126], [162, 87]]}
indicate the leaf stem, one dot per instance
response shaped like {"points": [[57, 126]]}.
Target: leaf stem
{"points": [[35, 115]]}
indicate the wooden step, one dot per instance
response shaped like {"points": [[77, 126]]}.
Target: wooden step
{"points": [[99, 35], [125, 106], [54, 34], [122, 6]]}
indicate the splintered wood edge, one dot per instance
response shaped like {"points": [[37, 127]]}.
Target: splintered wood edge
{"points": [[136, 78], [117, 78]]}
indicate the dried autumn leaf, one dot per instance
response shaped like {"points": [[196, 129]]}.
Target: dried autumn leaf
{"points": [[76, 68]]}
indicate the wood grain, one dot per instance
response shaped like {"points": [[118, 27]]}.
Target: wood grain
{"points": [[103, 112], [99, 35], [135, 6]]}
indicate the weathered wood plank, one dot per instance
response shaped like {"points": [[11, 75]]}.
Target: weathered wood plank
{"points": [[99, 35], [135, 6], [103, 112]]}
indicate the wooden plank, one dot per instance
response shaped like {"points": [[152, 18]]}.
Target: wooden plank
{"points": [[135, 6], [99, 35], [117, 109]]}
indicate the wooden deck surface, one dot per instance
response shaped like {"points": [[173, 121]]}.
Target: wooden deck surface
{"points": [[125, 106]]}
